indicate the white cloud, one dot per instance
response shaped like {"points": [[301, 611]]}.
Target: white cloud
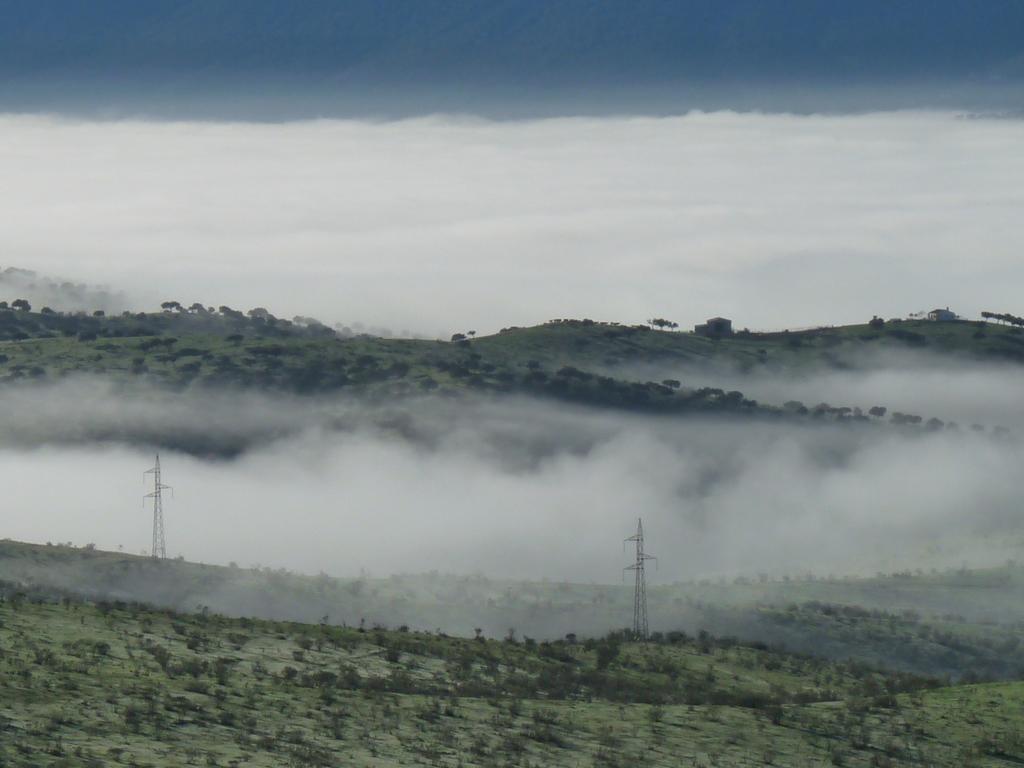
{"points": [[441, 224], [508, 487]]}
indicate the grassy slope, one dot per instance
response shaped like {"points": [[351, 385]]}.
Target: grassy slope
{"points": [[599, 346], [961, 625], [100, 685], [61, 343], [581, 361]]}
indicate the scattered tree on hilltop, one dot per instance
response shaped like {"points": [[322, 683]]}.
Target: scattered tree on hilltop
{"points": [[660, 322], [1004, 317], [260, 313]]}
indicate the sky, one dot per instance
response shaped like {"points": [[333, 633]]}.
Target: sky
{"points": [[434, 225]]}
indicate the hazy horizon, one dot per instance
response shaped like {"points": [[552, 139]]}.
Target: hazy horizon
{"points": [[443, 224]]}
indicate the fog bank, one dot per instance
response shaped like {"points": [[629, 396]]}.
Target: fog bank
{"points": [[963, 391], [447, 223], [524, 489]]}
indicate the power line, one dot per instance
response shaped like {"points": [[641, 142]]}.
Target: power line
{"points": [[640, 629], [159, 550]]}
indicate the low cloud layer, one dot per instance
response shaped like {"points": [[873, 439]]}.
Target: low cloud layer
{"points": [[57, 294], [447, 223], [513, 488], [963, 391]]}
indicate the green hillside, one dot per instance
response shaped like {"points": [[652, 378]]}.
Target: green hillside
{"points": [[121, 684], [597, 364], [962, 625], [606, 346]]}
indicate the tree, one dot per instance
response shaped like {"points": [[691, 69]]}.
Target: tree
{"points": [[607, 652], [1004, 317], [904, 418], [878, 411], [876, 322], [672, 383], [458, 337], [21, 304], [660, 322], [99, 313], [167, 306]]}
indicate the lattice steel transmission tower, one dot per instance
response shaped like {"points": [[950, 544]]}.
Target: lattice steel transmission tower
{"points": [[640, 590], [159, 550]]}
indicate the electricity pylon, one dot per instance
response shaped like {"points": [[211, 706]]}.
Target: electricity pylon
{"points": [[159, 550], [640, 590]]}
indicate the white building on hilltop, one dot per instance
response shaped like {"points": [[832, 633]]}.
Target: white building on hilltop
{"points": [[942, 315], [715, 327]]}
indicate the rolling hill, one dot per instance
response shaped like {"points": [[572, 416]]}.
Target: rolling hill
{"points": [[113, 658], [210, 353], [955, 624], [581, 361], [113, 682]]}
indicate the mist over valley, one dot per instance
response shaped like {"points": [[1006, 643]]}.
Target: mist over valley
{"points": [[511, 384], [519, 467]]}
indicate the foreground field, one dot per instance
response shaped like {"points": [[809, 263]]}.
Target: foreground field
{"points": [[108, 684], [960, 624]]}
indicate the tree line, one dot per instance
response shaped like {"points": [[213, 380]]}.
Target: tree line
{"points": [[1004, 317]]}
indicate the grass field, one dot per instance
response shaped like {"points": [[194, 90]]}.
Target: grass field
{"points": [[603, 346], [107, 684], [956, 624], [111, 684]]}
